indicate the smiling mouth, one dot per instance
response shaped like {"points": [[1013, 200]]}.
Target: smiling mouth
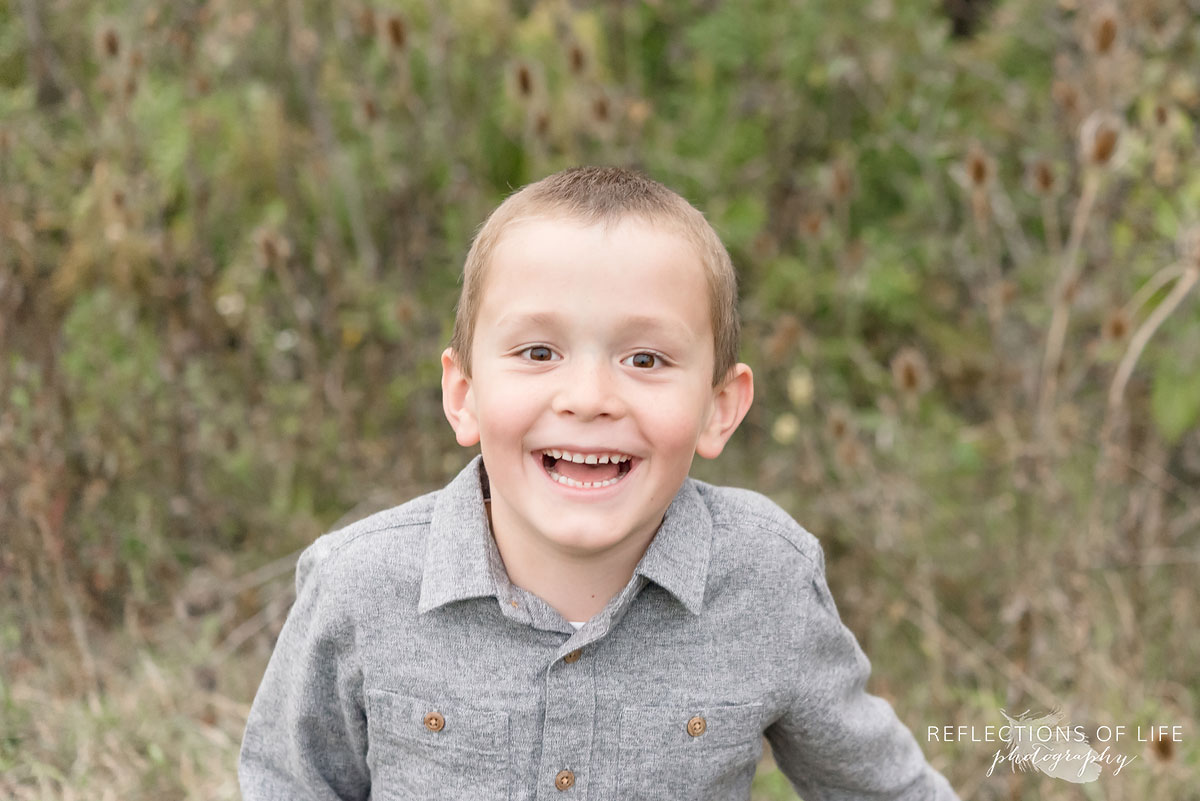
{"points": [[586, 471]]}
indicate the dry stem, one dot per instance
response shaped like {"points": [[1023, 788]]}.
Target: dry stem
{"points": [[1137, 344], [1156, 282], [1062, 304]]}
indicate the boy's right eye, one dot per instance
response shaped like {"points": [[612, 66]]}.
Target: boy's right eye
{"points": [[538, 353]]}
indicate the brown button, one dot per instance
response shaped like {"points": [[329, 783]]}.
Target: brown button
{"points": [[434, 721], [696, 726], [573, 656], [564, 780]]}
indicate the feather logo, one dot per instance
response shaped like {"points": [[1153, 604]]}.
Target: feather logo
{"points": [[1041, 743]]}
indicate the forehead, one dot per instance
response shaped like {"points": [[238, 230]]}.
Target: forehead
{"points": [[635, 265], [549, 242]]}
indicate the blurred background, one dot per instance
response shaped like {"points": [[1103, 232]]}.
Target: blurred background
{"points": [[966, 231]]}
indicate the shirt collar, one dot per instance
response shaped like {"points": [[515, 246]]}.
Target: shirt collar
{"points": [[462, 561]]}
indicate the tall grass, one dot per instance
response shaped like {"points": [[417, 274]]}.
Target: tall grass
{"points": [[229, 239]]}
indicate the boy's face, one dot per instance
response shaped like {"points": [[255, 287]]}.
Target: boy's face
{"points": [[595, 344]]}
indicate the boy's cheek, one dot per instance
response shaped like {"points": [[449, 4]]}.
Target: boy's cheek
{"points": [[502, 421], [500, 402], [675, 434]]}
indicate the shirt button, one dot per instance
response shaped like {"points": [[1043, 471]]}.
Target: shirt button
{"points": [[434, 721], [573, 656], [564, 780], [696, 726]]}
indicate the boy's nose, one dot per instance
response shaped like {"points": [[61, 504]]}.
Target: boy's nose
{"points": [[589, 390]]}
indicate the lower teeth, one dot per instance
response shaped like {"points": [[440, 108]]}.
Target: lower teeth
{"points": [[570, 482]]}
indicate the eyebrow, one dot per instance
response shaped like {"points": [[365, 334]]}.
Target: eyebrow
{"points": [[639, 322]]}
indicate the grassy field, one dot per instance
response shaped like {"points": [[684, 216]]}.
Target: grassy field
{"points": [[967, 241]]}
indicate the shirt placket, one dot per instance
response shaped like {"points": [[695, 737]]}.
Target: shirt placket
{"points": [[570, 720], [564, 772]]}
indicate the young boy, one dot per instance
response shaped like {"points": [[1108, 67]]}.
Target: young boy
{"points": [[573, 616]]}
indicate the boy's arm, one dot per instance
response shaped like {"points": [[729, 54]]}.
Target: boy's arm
{"points": [[306, 737], [837, 741]]}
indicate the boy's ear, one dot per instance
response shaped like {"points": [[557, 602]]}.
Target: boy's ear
{"points": [[731, 401], [457, 401]]}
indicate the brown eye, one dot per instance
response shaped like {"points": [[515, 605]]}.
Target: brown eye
{"points": [[643, 359], [540, 354]]}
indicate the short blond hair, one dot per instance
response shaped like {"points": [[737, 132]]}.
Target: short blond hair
{"points": [[605, 196]]}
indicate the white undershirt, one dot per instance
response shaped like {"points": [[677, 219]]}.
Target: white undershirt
{"points": [[577, 625]]}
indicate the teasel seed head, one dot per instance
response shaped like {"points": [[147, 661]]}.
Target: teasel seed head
{"points": [[979, 166], [1116, 325], [576, 59], [838, 424], [1162, 748], [1104, 29], [1098, 138], [395, 32], [910, 372], [523, 80], [541, 125], [1041, 178], [108, 43]]}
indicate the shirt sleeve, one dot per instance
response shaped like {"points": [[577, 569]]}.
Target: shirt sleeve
{"points": [[836, 741], [306, 736]]}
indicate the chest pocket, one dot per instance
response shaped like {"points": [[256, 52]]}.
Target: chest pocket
{"points": [[689, 753], [419, 749]]}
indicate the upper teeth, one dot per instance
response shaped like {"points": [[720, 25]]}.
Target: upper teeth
{"points": [[588, 458]]}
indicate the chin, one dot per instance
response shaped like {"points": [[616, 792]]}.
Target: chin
{"points": [[587, 538]]}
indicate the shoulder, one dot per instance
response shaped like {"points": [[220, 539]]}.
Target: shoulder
{"points": [[765, 568], [751, 527], [392, 538]]}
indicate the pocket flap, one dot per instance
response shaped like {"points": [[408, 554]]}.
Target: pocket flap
{"points": [[477, 730], [661, 727]]}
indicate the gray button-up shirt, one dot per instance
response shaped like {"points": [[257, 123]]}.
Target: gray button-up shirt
{"points": [[411, 667]]}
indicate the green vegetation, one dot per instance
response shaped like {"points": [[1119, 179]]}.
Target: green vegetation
{"points": [[229, 242]]}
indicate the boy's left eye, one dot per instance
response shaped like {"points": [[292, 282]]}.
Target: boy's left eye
{"points": [[645, 359]]}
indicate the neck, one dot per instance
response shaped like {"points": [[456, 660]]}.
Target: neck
{"points": [[577, 586]]}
